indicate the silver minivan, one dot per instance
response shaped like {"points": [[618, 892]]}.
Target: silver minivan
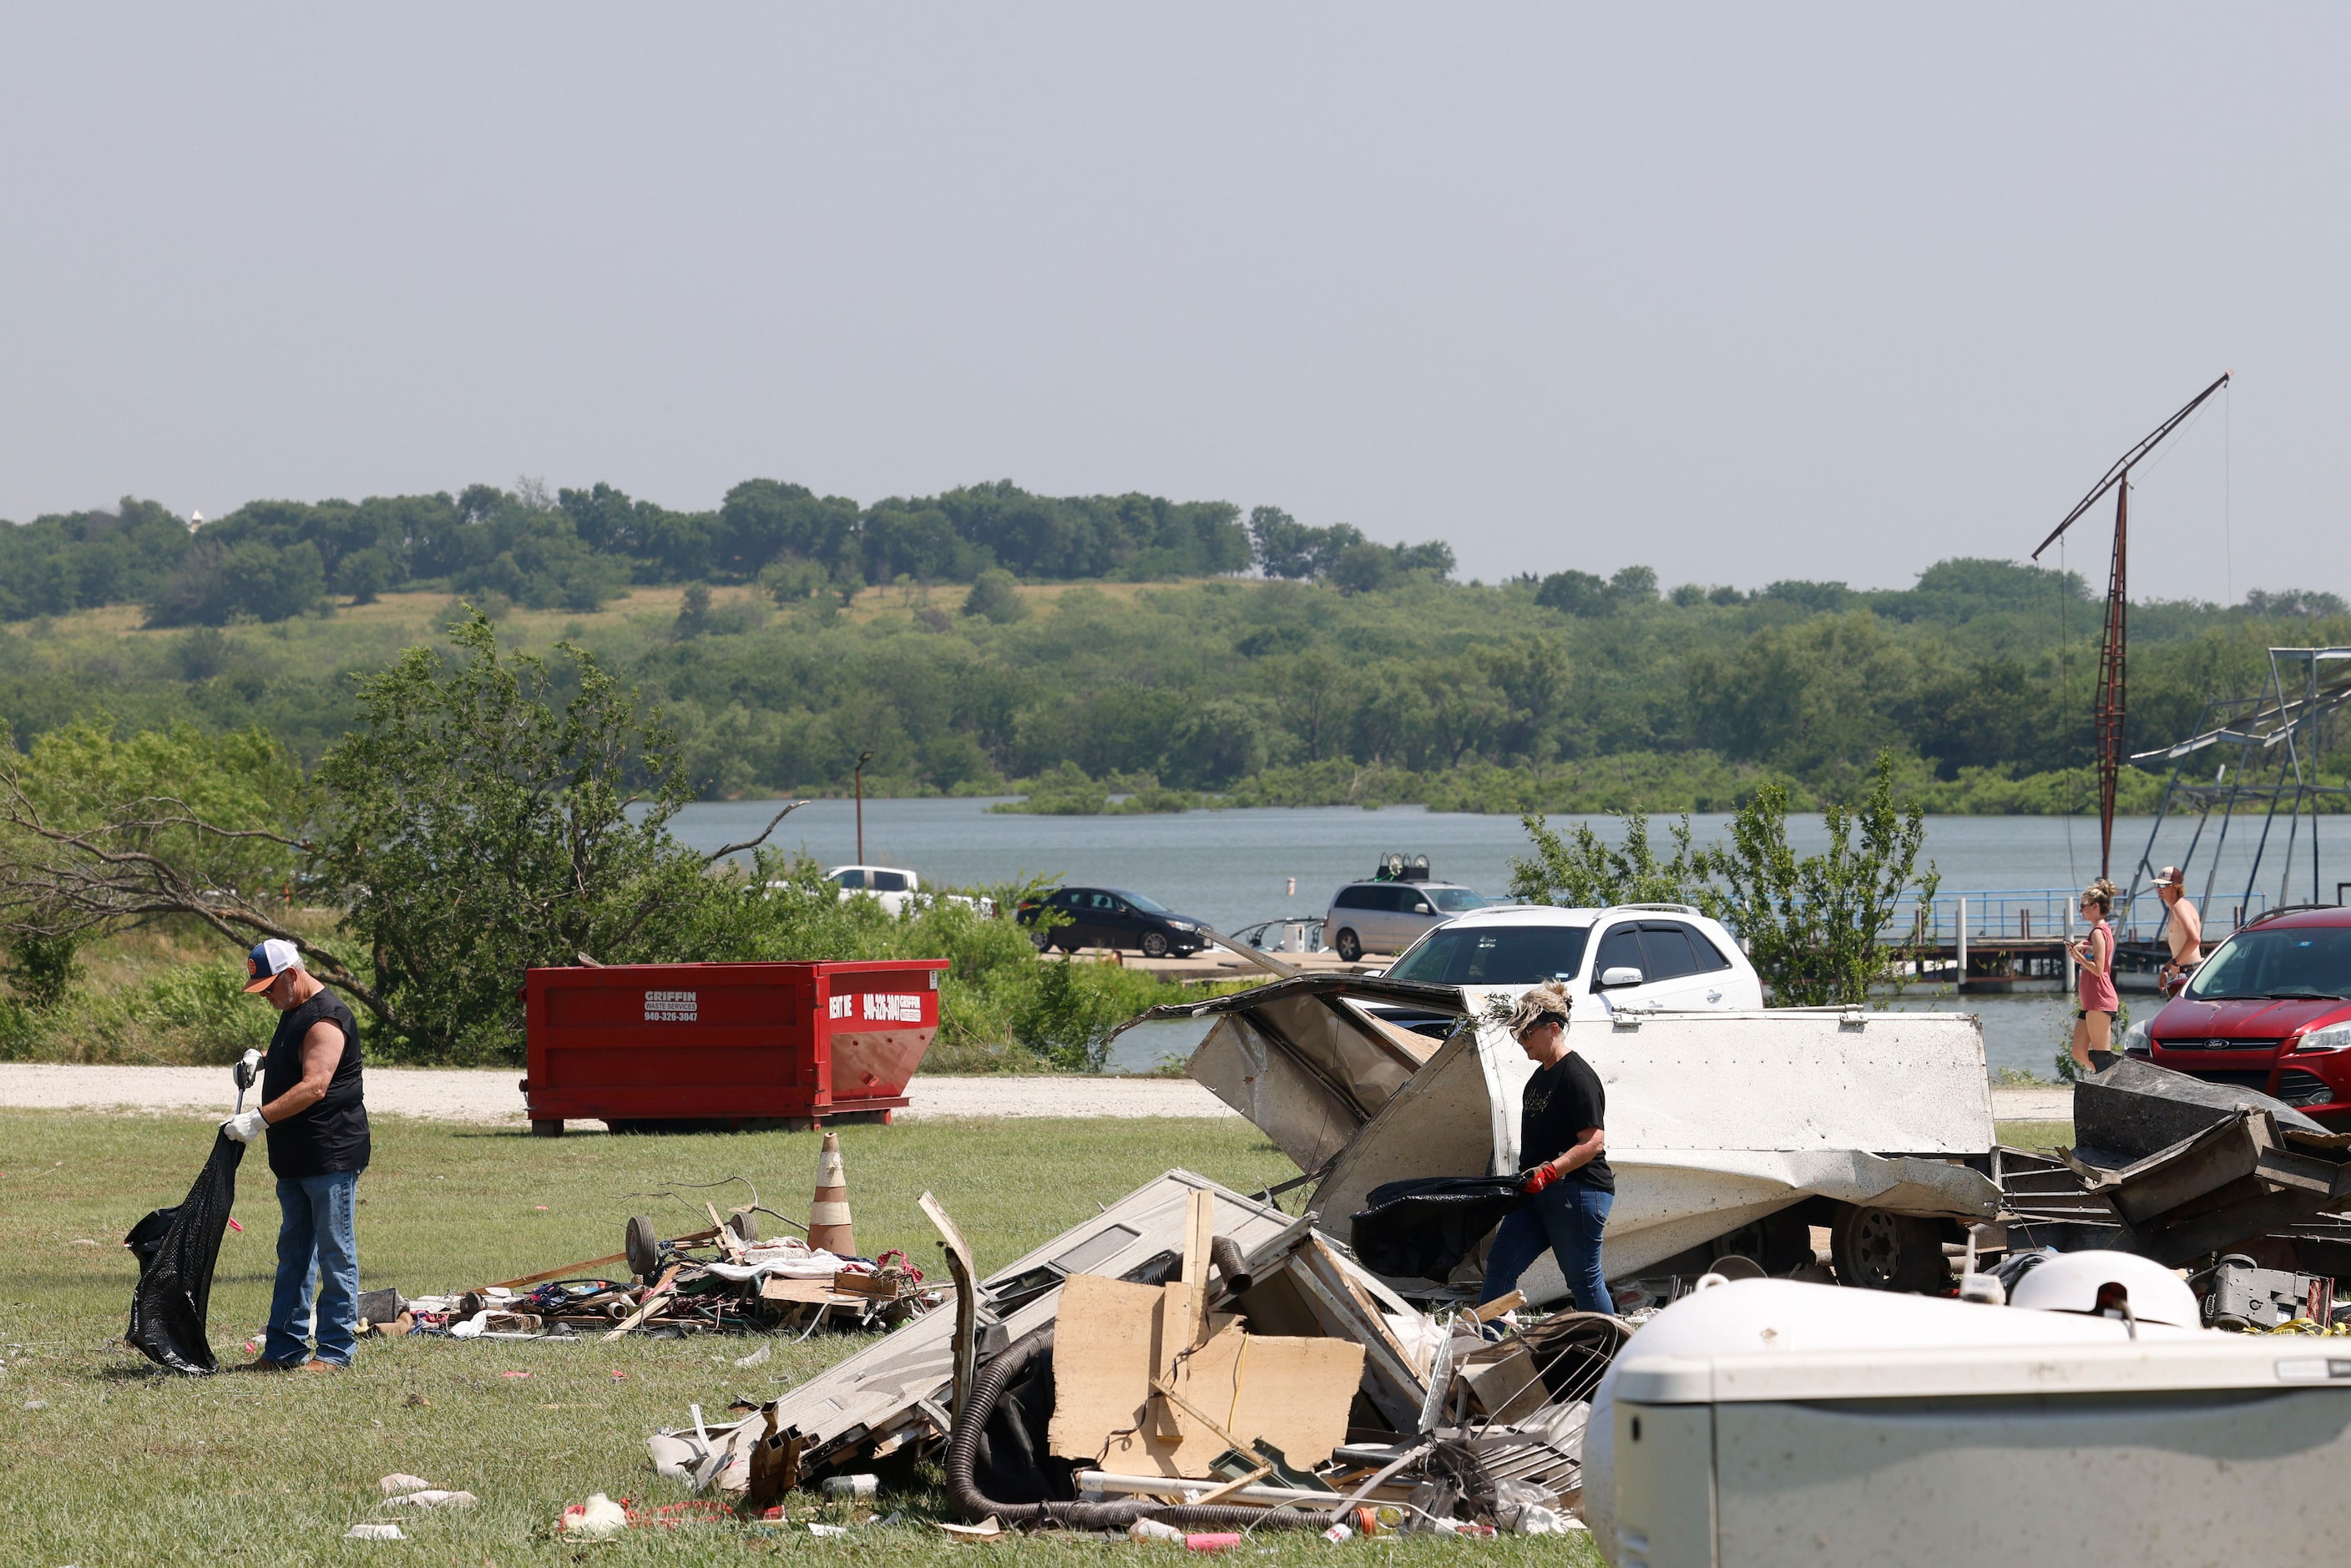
{"points": [[1385, 916]]}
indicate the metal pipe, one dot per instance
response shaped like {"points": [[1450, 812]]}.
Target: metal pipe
{"points": [[863, 758]]}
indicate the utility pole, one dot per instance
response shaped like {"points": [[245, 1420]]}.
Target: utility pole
{"points": [[863, 758], [2109, 707]]}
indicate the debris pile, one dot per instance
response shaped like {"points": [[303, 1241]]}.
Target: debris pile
{"points": [[722, 1280], [1190, 1361], [716, 1281]]}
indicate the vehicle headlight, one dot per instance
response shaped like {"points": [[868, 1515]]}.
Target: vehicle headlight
{"points": [[1182, 925], [2334, 1036], [2138, 1040]]}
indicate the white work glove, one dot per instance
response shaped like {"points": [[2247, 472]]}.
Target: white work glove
{"points": [[247, 1071], [245, 1126]]}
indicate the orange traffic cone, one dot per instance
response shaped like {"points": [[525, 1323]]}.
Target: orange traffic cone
{"points": [[828, 1223]]}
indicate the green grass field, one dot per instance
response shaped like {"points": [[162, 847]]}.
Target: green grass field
{"points": [[126, 1463]]}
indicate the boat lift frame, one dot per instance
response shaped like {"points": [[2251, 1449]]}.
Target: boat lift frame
{"points": [[2277, 739]]}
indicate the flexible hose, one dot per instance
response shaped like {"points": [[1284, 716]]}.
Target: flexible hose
{"points": [[974, 1505]]}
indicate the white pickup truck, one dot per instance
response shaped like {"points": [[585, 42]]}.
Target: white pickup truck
{"points": [[896, 889]]}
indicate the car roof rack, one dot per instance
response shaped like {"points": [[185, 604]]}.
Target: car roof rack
{"points": [[2284, 909], [1667, 908]]}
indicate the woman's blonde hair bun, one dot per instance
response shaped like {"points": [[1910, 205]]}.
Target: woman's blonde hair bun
{"points": [[1549, 999]]}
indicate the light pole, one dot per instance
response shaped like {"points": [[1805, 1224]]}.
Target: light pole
{"points": [[863, 758]]}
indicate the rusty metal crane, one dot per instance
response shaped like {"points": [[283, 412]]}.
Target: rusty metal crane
{"points": [[2107, 708]]}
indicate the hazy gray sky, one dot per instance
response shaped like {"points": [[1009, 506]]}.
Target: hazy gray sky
{"points": [[1743, 292]]}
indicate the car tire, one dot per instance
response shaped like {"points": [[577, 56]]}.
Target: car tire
{"points": [[1041, 940], [1348, 945], [1877, 1251], [1154, 945]]}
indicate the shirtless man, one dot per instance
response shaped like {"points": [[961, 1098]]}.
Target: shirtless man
{"points": [[2183, 929]]}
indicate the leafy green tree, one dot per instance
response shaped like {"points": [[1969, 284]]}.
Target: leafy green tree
{"points": [[1580, 870], [99, 834], [478, 823], [996, 596], [1814, 925]]}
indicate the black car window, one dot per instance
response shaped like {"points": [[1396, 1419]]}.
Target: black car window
{"points": [[1708, 956], [853, 878], [889, 882], [1104, 901], [1495, 956], [1666, 951], [1417, 904], [1353, 898], [1620, 949], [1069, 898], [2298, 961]]}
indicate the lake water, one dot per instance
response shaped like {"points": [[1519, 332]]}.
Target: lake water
{"points": [[1233, 869]]}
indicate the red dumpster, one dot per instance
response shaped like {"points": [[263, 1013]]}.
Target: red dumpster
{"points": [[734, 1045]]}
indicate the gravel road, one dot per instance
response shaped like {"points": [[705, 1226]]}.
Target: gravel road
{"points": [[492, 1097]]}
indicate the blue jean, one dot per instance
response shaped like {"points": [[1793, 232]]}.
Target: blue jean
{"points": [[1567, 1216], [317, 1229]]}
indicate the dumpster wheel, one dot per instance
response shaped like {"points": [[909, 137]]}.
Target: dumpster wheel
{"points": [[1878, 1250]]}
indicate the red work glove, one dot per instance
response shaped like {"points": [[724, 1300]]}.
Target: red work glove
{"points": [[1535, 1180]]}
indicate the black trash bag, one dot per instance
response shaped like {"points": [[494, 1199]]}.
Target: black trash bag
{"points": [[176, 1248], [1422, 1228]]}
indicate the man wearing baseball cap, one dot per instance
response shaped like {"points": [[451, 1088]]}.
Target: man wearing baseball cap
{"points": [[317, 1121], [2183, 931]]}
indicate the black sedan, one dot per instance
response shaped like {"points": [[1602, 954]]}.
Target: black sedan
{"points": [[1113, 917]]}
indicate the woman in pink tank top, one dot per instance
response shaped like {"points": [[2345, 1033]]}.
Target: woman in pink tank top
{"points": [[2094, 976]]}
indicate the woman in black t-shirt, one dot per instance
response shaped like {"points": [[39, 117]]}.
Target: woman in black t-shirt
{"points": [[1563, 1161]]}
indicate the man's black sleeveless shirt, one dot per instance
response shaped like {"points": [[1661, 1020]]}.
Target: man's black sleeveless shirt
{"points": [[331, 1135]]}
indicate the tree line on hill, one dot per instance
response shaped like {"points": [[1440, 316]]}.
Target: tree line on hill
{"points": [[1561, 692], [575, 549]]}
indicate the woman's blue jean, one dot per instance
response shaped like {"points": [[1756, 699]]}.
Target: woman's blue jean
{"points": [[317, 1229], [1567, 1216]]}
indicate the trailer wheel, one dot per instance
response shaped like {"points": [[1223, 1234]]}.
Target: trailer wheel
{"points": [[1349, 946], [1880, 1251], [643, 1247]]}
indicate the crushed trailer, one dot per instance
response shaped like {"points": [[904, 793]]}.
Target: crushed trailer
{"points": [[1732, 1133]]}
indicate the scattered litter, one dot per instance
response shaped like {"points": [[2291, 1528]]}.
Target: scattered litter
{"points": [[1152, 1530], [598, 1519], [985, 1529], [857, 1485], [816, 1528], [434, 1497], [514, 1374], [1212, 1540], [233, 1225], [374, 1531], [401, 1483], [756, 1358], [417, 1402]]}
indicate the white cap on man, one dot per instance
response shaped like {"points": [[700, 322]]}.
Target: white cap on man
{"points": [[268, 961]]}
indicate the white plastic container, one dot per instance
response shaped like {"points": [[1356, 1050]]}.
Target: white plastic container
{"points": [[1769, 1422]]}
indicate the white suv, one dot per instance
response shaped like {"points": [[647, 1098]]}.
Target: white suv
{"points": [[1635, 955]]}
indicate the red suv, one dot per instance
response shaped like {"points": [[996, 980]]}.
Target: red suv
{"points": [[2271, 1010]]}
